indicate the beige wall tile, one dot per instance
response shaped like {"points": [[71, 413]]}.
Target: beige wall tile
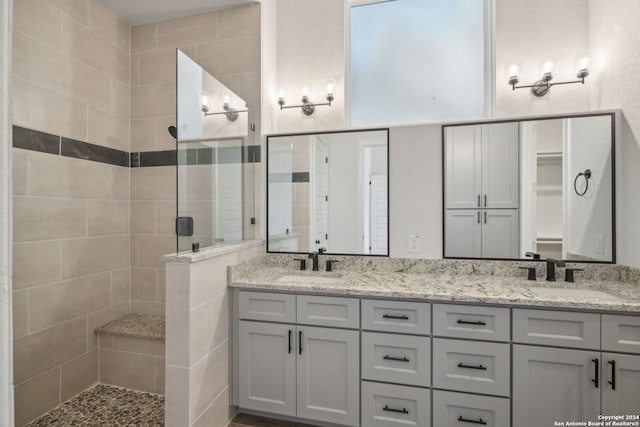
{"points": [[139, 345], [45, 219], [162, 284], [20, 313], [35, 263], [238, 22], [41, 109], [153, 100], [186, 31], [100, 317], [105, 23], [19, 55], [120, 99], [37, 396], [135, 69], [91, 49], [217, 414], [148, 307], [153, 248], [133, 249], [38, 20], [160, 367], [108, 129], [81, 257], [231, 56], [61, 176], [55, 303], [131, 370], [158, 66], [249, 88], [166, 217], [105, 341], [208, 378], [210, 326], [153, 183], [209, 279], [143, 134], [178, 308], [69, 77], [19, 174], [164, 140], [177, 391], [120, 285], [120, 182], [203, 217], [143, 217], [74, 8], [36, 353], [79, 374], [144, 283], [199, 181], [107, 217], [143, 37]]}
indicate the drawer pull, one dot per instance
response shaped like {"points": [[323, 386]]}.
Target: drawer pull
{"points": [[393, 316], [479, 367], [290, 346], [613, 374], [299, 342], [464, 420], [400, 411], [596, 380], [397, 359], [467, 322]]}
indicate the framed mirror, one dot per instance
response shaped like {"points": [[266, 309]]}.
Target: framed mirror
{"points": [[540, 187], [328, 192]]}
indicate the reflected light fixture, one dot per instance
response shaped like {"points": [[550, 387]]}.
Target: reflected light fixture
{"points": [[307, 106], [547, 73], [230, 112]]}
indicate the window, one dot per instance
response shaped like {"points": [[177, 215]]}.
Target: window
{"points": [[420, 60]]}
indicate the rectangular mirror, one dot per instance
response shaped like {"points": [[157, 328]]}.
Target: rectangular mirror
{"points": [[329, 191], [541, 186]]}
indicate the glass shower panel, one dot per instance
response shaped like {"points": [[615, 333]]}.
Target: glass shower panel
{"points": [[216, 160]]}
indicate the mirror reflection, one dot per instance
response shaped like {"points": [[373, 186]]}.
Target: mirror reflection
{"points": [[328, 192], [530, 188]]}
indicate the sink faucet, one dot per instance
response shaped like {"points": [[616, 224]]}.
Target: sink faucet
{"points": [[551, 268], [314, 257]]}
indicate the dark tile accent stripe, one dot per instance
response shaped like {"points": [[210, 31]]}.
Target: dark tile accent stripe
{"points": [[300, 177], [134, 161], [35, 140], [282, 178], [93, 152], [157, 158]]}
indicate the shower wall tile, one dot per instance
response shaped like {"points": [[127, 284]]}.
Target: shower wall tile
{"points": [[238, 22], [107, 25], [148, 307], [145, 283], [81, 257], [120, 99], [74, 8], [120, 285], [166, 217], [241, 55], [100, 317], [79, 374], [35, 263], [39, 20], [158, 66], [108, 217], [154, 183], [20, 55], [144, 37], [153, 100], [41, 218], [19, 173], [187, 31], [153, 247], [20, 302], [164, 139], [143, 134], [120, 183], [143, 217], [109, 130], [37, 396]]}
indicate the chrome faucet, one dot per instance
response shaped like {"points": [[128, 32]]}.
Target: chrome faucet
{"points": [[314, 257], [551, 268]]}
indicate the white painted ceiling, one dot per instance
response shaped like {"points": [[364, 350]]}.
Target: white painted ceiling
{"points": [[135, 12]]}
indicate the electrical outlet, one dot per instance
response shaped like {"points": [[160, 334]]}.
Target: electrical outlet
{"points": [[414, 243], [599, 238]]}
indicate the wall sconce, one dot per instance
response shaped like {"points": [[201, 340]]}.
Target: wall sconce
{"points": [[230, 112], [308, 107], [547, 72]]}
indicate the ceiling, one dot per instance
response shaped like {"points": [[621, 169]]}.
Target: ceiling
{"points": [[135, 12]]}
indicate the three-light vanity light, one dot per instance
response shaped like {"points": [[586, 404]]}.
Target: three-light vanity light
{"points": [[548, 72], [230, 112], [308, 107]]}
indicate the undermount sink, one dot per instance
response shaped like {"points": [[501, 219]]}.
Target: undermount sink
{"points": [[311, 280], [572, 293]]}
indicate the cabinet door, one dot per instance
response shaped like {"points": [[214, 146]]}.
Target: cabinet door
{"points": [[500, 166], [620, 384], [328, 375], [500, 236], [463, 233], [267, 367], [463, 160], [552, 384]]}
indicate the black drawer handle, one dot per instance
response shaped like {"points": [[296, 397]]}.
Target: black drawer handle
{"points": [[479, 367], [400, 411], [613, 374], [393, 316], [464, 420], [467, 322], [299, 342], [596, 380], [290, 347], [397, 359]]}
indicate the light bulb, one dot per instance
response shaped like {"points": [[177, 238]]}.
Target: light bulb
{"points": [[331, 90], [548, 69], [513, 72], [582, 66], [225, 102], [204, 103], [281, 98], [305, 91]]}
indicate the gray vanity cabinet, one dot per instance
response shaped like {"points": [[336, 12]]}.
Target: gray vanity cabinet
{"points": [[620, 384]]}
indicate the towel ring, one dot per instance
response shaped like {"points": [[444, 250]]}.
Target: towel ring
{"points": [[587, 175]]}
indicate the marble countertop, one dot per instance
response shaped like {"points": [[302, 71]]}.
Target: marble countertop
{"points": [[624, 296]]}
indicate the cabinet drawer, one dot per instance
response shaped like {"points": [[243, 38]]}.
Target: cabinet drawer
{"points": [[270, 307], [556, 328], [621, 333], [465, 321], [404, 317], [396, 358], [387, 405], [457, 410], [473, 366], [328, 311]]}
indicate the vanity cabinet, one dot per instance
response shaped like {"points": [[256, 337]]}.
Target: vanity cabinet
{"points": [[620, 384], [487, 233]]}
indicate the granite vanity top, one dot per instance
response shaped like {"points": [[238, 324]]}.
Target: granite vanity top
{"points": [[136, 325], [450, 281]]}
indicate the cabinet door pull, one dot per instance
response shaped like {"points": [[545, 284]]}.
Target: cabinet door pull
{"points": [[299, 342], [613, 374], [464, 420], [479, 367], [478, 217], [397, 359], [400, 411], [596, 380], [478, 200], [393, 316], [485, 217], [290, 347], [467, 322], [485, 200]]}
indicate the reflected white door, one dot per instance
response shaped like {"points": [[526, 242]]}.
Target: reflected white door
{"points": [[500, 235], [320, 195], [464, 233], [379, 215]]}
